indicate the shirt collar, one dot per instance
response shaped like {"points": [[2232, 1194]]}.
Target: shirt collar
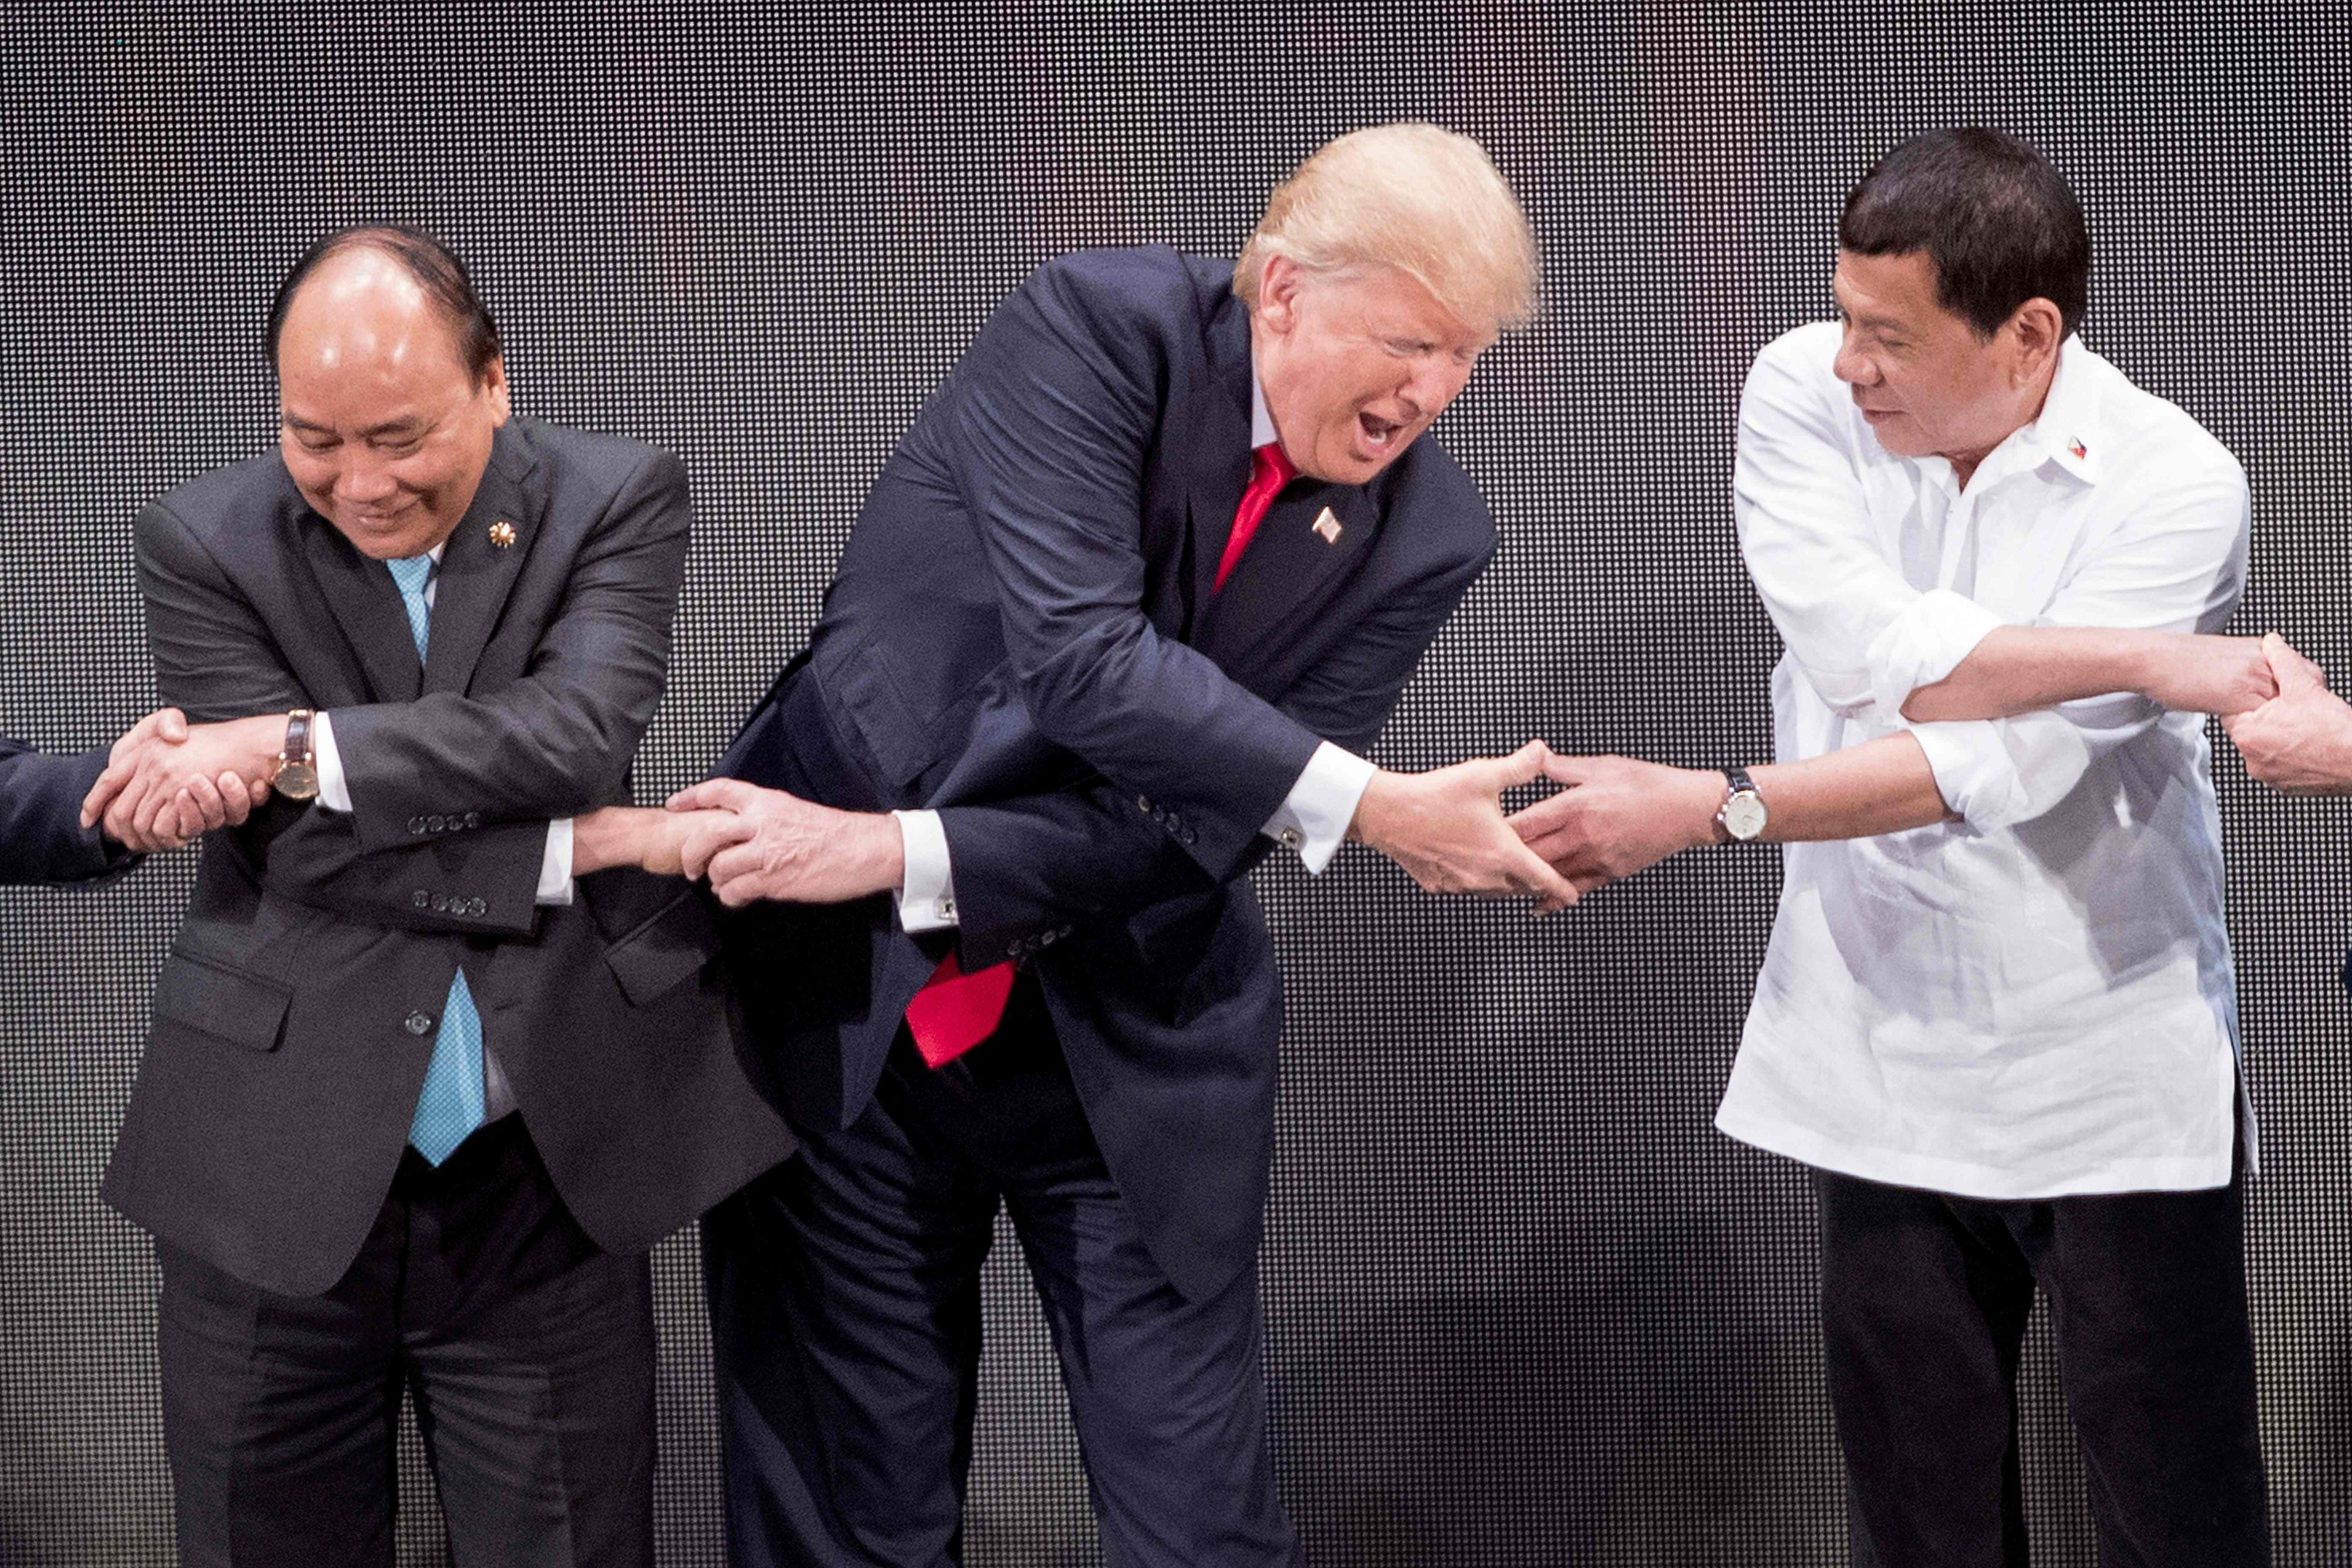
{"points": [[1262, 430], [2067, 430]]}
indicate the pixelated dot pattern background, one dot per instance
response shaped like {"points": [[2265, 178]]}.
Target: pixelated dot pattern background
{"points": [[1524, 1305]]}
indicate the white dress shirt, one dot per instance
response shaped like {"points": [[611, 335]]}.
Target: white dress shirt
{"points": [[1312, 819], [554, 866], [2036, 1000]]}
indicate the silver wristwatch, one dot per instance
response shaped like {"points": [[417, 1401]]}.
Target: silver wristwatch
{"points": [[1742, 814]]}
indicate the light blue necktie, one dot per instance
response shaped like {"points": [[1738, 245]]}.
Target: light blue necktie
{"points": [[451, 1106]]}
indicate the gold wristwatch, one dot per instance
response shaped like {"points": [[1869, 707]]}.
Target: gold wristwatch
{"points": [[297, 774]]}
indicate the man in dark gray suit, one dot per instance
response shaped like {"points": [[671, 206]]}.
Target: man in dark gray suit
{"points": [[434, 1061]]}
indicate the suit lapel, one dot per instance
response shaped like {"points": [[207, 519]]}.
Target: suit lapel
{"points": [[1288, 567], [366, 605], [477, 571], [1219, 469]]}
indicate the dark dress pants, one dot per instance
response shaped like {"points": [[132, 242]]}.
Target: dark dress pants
{"points": [[529, 1352], [1925, 1299], [844, 1304]]}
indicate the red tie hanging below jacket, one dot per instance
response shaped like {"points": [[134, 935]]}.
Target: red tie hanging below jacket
{"points": [[954, 1011]]}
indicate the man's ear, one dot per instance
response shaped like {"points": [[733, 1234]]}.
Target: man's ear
{"points": [[494, 383], [1277, 293], [2038, 330]]}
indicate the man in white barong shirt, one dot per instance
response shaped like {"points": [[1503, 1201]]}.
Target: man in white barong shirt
{"points": [[1996, 1016]]}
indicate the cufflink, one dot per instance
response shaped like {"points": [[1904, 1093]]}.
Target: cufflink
{"points": [[1291, 838], [502, 534], [1328, 526]]}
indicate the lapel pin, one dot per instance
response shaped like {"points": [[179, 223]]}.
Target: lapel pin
{"points": [[2076, 447], [502, 534], [1328, 526]]}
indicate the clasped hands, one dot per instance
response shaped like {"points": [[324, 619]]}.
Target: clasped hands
{"points": [[167, 782]]}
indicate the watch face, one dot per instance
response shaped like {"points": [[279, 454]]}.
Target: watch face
{"points": [[1743, 814], [296, 781]]}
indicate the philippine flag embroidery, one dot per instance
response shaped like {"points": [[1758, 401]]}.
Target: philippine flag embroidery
{"points": [[2076, 447]]}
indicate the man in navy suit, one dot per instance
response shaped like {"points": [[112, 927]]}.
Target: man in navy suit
{"points": [[1121, 615], [47, 836]]}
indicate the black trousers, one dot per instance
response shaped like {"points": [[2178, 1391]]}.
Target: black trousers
{"points": [[1923, 1301], [845, 1311], [529, 1352]]}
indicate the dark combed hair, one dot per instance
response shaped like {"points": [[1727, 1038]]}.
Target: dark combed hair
{"points": [[435, 266], [1996, 219]]}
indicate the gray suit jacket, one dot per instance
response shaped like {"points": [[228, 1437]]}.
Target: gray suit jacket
{"points": [[295, 1015]]}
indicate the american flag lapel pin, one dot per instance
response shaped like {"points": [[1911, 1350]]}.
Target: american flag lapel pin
{"points": [[2076, 446], [1328, 526]]}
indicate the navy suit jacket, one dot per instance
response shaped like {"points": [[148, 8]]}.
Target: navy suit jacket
{"points": [[1022, 636], [41, 835]]}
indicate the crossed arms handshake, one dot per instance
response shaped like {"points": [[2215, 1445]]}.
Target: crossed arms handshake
{"points": [[168, 781]]}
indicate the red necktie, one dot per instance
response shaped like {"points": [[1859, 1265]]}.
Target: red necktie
{"points": [[1269, 472], [954, 1011]]}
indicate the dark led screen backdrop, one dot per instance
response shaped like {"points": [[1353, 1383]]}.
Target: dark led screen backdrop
{"points": [[1525, 1306]]}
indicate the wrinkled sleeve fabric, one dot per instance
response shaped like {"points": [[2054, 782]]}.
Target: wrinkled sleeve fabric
{"points": [[1052, 414], [2176, 563], [1864, 639], [1860, 633]]}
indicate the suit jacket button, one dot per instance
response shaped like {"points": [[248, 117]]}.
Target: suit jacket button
{"points": [[421, 899], [440, 903], [418, 1023], [437, 824], [1188, 837], [1143, 804], [472, 819], [415, 824], [477, 908]]}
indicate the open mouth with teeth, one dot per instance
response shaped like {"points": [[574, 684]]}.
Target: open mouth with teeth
{"points": [[1380, 435]]}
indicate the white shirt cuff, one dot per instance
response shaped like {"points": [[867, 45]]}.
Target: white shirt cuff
{"points": [[1923, 643], [1313, 819], [927, 896], [334, 790], [555, 865]]}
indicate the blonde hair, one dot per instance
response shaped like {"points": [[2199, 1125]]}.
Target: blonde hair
{"points": [[1419, 199]]}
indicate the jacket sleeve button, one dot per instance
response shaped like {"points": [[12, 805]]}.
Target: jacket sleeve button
{"points": [[415, 824], [418, 1023], [421, 899], [472, 819]]}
